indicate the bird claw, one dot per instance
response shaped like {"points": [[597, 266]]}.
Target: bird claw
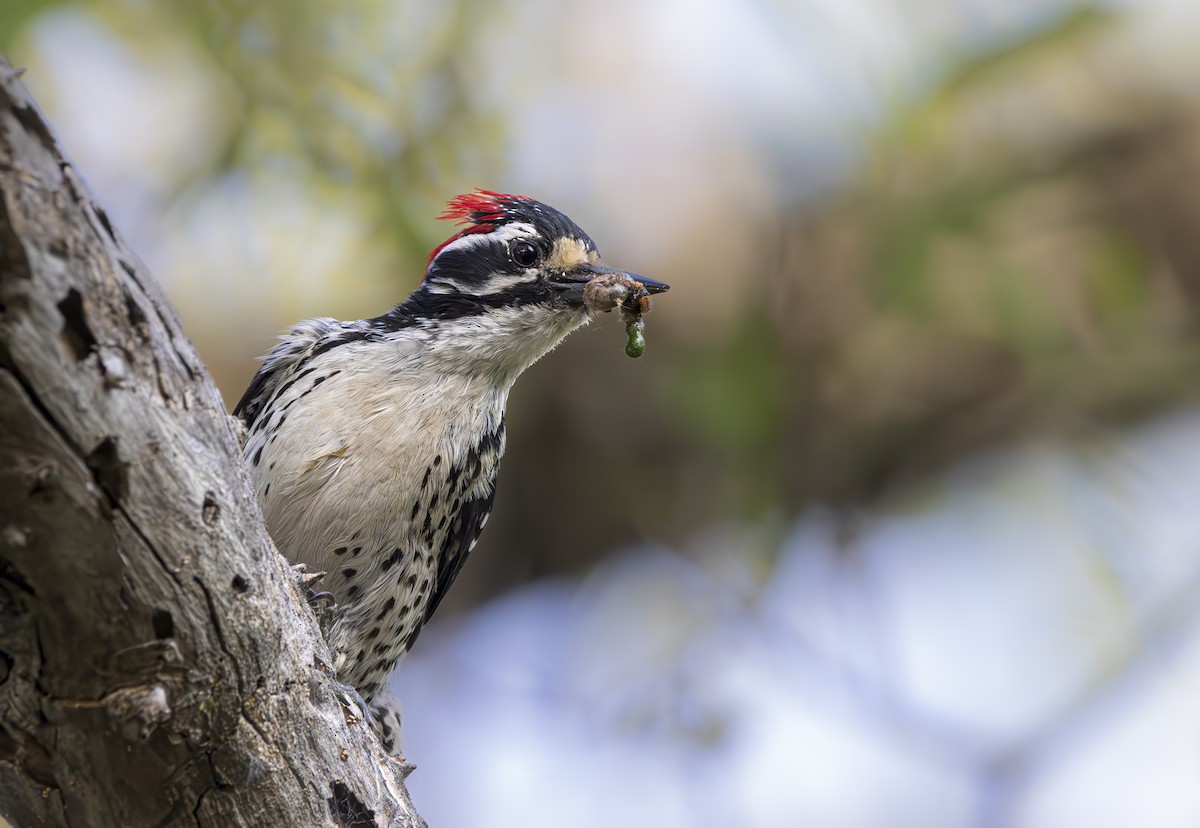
{"points": [[349, 698], [356, 710], [324, 607]]}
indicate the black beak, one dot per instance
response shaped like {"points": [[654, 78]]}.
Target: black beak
{"points": [[652, 286], [571, 282]]}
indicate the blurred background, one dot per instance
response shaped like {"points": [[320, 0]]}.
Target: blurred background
{"points": [[894, 524]]}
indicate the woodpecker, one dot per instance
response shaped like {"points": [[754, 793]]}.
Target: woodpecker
{"points": [[373, 445]]}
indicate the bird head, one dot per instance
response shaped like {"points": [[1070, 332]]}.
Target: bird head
{"points": [[510, 281], [512, 252]]}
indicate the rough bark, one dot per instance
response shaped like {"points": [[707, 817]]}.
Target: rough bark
{"points": [[158, 665]]}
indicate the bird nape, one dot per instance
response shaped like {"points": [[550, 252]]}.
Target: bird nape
{"points": [[373, 445]]}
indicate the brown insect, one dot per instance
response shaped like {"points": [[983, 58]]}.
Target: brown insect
{"points": [[604, 293]]}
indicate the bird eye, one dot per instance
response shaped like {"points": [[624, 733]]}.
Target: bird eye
{"points": [[525, 254]]}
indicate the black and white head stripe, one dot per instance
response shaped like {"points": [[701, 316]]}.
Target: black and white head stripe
{"points": [[483, 211], [499, 258], [464, 263]]}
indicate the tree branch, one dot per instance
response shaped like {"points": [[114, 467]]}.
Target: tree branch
{"points": [[158, 665]]}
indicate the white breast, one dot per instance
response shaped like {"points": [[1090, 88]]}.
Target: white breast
{"points": [[352, 447]]}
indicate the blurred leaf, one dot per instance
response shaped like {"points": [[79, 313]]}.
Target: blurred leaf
{"points": [[14, 14], [1117, 280], [731, 396], [906, 227], [966, 74]]}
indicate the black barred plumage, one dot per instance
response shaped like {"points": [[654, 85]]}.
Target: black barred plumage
{"points": [[374, 444]]}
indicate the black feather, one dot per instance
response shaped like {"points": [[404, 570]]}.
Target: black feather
{"points": [[462, 534]]}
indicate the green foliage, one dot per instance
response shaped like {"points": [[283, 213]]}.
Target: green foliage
{"points": [[1118, 283], [368, 103], [968, 75], [731, 394], [14, 14]]}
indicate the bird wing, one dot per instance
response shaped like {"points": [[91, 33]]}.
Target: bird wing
{"points": [[307, 340]]}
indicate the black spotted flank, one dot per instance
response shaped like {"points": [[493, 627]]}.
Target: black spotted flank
{"points": [[395, 558], [341, 550], [411, 637], [457, 545], [386, 608], [490, 443]]}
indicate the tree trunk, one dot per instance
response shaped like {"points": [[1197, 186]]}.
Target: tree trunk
{"points": [[158, 664]]}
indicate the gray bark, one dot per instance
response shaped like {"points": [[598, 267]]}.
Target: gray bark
{"points": [[158, 665]]}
